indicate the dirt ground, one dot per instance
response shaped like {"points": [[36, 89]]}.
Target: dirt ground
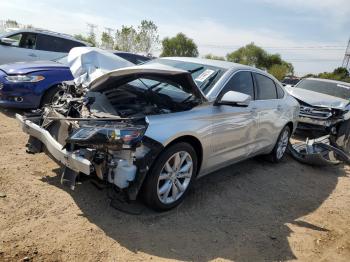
{"points": [[252, 211]]}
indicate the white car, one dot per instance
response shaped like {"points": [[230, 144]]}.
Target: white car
{"points": [[35, 44]]}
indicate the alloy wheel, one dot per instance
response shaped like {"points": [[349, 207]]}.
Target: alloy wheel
{"points": [[175, 177], [282, 144]]}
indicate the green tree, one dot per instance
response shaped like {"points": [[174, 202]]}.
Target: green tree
{"points": [[214, 57], [107, 41], [147, 36], [126, 39], [279, 71], [180, 45], [339, 74], [250, 54], [253, 55], [11, 23], [90, 40]]}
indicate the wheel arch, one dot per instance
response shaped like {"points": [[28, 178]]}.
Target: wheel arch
{"points": [[46, 90], [195, 143], [291, 126]]}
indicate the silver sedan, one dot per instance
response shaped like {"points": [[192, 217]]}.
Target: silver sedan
{"points": [[156, 127]]}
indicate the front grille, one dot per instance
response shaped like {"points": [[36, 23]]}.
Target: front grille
{"points": [[1, 85], [314, 112]]}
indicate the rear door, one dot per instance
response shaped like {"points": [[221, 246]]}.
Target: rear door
{"points": [[269, 110]]}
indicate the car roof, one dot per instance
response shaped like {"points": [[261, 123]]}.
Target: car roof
{"points": [[329, 81], [45, 32]]}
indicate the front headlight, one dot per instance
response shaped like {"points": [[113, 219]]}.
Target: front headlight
{"points": [[24, 78], [106, 136]]}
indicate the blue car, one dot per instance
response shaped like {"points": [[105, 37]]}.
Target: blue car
{"points": [[30, 85]]}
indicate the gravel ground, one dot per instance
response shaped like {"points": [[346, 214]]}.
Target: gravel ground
{"points": [[252, 211]]}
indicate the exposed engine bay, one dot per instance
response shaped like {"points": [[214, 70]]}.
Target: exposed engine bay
{"points": [[107, 128]]}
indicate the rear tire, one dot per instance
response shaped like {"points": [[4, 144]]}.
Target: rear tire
{"points": [[171, 177], [280, 148], [52, 95]]}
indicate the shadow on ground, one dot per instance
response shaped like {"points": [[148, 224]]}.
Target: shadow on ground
{"points": [[11, 112], [239, 213]]}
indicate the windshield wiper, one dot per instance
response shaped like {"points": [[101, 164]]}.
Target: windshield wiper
{"points": [[195, 70], [210, 80]]}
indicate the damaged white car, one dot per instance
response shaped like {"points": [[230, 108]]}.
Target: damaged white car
{"points": [[155, 128], [324, 104]]}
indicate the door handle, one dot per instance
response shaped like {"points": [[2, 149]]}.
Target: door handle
{"points": [[33, 55], [253, 110], [279, 108]]}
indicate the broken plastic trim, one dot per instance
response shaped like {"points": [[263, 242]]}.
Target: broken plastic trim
{"points": [[319, 152]]}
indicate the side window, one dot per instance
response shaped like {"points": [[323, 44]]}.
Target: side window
{"points": [[280, 92], [16, 38], [69, 44], [56, 44], [266, 88], [28, 41], [241, 82], [45, 43]]}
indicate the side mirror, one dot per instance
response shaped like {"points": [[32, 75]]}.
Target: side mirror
{"points": [[7, 41], [233, 98]]}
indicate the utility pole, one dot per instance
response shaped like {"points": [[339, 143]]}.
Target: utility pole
{"points": [[109, 31], [91, 32], [346, 61]]}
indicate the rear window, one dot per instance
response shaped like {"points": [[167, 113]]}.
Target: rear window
{"points": [[327, 88]]}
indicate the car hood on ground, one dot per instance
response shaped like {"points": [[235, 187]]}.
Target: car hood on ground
{"points": [[181, 77], [26, 68], [318, 99]]}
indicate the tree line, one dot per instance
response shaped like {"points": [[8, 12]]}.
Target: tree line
{"points": [[145, 39]]}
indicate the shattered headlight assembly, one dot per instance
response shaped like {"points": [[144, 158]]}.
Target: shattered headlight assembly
{"points": [[24, 78], [107, 136]]}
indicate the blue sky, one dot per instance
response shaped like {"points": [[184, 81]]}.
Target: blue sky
{"points": [[312, 34]]}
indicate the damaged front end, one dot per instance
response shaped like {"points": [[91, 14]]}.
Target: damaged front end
{"points": [[113, 149], [319, 121], [101, 131]]}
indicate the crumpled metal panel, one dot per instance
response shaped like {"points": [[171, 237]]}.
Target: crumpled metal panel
{"points": [[89, 63], [318, 152]]}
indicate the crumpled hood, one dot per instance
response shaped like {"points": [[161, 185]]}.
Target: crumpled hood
{"points": [[30, 67], [176, 75], [318, 99], [89, 63]]}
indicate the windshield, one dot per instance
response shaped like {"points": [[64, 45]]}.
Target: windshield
{"points": [[205, 76], [328, 88], [162, 87], [62, 60]]}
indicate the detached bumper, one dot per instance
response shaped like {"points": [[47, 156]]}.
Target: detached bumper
{"points": [[71, 160]]}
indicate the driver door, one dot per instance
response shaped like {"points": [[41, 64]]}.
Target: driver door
{"points": [[234, 128]]}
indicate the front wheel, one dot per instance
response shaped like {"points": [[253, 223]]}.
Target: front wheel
{"points": [[171, 177], [280, 148], [52, 95]]}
